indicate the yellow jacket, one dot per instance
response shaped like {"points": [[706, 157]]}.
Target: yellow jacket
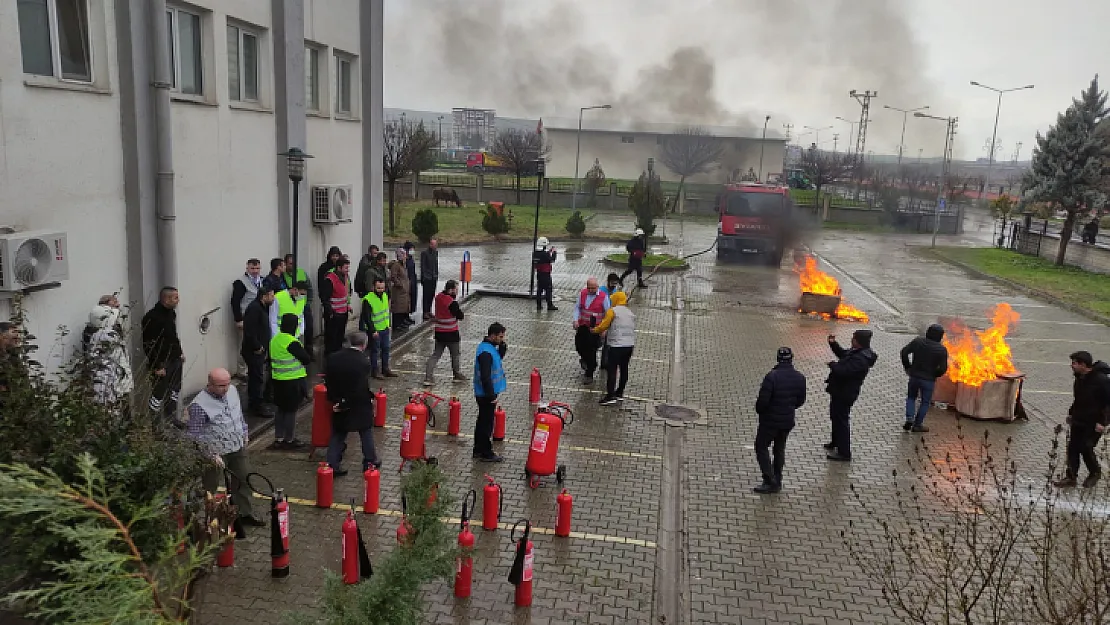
{"points": [[618, 298]]}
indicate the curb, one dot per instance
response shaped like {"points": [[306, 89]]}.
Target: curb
{"points": [[1021, 288], [657, 269]]}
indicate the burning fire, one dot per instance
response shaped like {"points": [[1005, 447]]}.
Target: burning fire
{"points": [[974, 356], [813, 280]]}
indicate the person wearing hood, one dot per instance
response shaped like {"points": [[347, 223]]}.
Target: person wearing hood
{"points": [[334, 254], [542, 259], [782, 392], [846, 376], [1088, 417], [399, 288], [637, 249], [619, 328], [107, 357], [164, 357], [924, 360]]}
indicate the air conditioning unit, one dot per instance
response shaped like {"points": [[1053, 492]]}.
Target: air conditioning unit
{"points": [[332, 204], [28, 259]]}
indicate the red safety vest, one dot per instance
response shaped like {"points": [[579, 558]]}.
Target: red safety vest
{"points": [[340, 301], [444, 319], [595, 313]]}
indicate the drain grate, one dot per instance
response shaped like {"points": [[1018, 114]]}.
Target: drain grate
{"points": [[677, 413]]}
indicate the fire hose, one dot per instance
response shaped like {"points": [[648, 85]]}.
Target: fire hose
{"points": [[664, 261]]}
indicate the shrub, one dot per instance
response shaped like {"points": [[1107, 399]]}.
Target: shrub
{"points": [[425, 224], [576, 225], [494, 223], [646, 201]]}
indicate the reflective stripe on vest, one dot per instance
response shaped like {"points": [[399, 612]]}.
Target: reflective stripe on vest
{"points": [[379, 310], [445, 320], [284, 365], [596, 312], [340, 295]]}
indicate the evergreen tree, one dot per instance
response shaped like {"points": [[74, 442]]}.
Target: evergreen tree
{"points": [[1071, 160], [647, 202]]}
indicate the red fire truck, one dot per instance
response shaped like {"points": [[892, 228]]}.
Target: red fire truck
{"points": [[755, 219]]}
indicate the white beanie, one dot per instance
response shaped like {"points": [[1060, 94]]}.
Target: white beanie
{"points": [[103, 316]]}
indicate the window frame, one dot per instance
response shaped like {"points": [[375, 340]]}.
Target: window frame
{"points": [[355, 102], [175, 52], [628, 139], [243, 30], [321, 108], [56, 46]]}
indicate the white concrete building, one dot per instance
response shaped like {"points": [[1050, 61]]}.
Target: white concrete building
{"points": [[624, 148], [87, 132]]}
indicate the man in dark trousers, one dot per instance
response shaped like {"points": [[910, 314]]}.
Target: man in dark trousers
{"points": [[329, 263], [846, 375], [352, 403], [637, 249], [414, 279], [256, 340], [924, 360], [447, 318], [429, 276], [335, 294], [1088, 417], [489, 382], [783, 391], [361, 282], [164, 358], [543, 257]]}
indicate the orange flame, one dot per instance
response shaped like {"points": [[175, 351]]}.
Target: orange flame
{"points": [[813, 280], [974, 356]]}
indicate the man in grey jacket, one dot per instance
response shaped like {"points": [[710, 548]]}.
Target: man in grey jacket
{"points": [[429, 275]]}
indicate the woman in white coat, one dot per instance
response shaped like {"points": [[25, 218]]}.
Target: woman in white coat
{"points": [[107, 356]]}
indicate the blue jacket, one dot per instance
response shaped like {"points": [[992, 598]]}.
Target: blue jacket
{"points": [[489, 374], [783, 391]]}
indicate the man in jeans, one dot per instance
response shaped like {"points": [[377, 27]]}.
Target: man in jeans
{"points": [[1088, 417], [619, 327], [924, 360], [782, 392], [375, 321], [447, 318]]}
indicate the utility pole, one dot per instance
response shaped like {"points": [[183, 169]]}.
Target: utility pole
{"points": [[1017, 152], [788, 128], [994, 139], [836, 137], [905, 113], [946, 165], [864, 100]]}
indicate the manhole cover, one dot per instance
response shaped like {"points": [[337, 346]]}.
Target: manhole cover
{"points": [[677, 413]]}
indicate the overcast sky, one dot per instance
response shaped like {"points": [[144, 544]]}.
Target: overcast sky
{"points": [[735, 61]]}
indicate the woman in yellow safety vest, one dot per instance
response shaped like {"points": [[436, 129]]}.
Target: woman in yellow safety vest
{"points": [[288, 359]]}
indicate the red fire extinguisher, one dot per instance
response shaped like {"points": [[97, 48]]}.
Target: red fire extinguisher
{"points": [[564, 504], [356, 560], [535, 387], [372, 498], [226, 556], [321, 417], [454, 416], [279, 525], [380, 401], [325, 484], [418, 418], [499, 423], [491, 505], [464, 569], [543, 450], [404, 530], [520, 575]]}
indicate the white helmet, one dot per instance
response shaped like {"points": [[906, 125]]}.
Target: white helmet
{"points": [[541, 243], [639, 232]]}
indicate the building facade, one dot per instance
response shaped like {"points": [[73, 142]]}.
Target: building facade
{"points": [[148, 131]]}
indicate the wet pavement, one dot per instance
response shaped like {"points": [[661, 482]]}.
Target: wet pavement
{"points": [[669, 526]]}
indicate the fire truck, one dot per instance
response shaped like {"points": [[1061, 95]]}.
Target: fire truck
{"points": [[754, 220]]}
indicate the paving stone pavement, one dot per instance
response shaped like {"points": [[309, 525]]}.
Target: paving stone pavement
{"points": [[748, 559]]}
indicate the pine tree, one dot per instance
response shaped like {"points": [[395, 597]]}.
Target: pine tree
{"points": [[647, 202], [1071, 160]]}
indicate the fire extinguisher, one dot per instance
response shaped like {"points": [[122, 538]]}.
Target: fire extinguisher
{"points": [[372, 498], [464, 570], [520, 575], [499, 423], [418, 418], [226, 556], [356, 560], [325, 484], [491, 505], [454, 418], [543, 449], [564, 504], [279, 525], [380, 401], [321, 417], [404, 530], [535, 387], [433, 492]]}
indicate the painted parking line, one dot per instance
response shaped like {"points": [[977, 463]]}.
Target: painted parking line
{"points": [[933, 300], [606, 538], [548, 386], [1068, 393], [517, 441], [555, 322], [1023, 320], [847, 276]]}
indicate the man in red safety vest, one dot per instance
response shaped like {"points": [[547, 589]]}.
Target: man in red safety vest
{"points": [[335, 294], [446, 317], [589, 310]]}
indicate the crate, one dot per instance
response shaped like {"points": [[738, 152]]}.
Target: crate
{"points": [[994, 400], [818, 303]]}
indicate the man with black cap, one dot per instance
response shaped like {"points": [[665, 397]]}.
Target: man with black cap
{"points": [[783, 391], [924, 360], [846, 375]]}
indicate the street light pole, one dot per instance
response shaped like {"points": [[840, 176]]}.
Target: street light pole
{"points": [[905, 114], [294, 158], [994, 137], [818, 132], [761, 144], [949, 136], [578, 151], [536, 225], [851, 129]]}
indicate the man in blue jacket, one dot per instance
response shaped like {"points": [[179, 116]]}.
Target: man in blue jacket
{"points": [[489, 382], [783, 391]]}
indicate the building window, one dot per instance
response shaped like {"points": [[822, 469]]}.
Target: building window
{"points": [[242, 64], [628, 139], [344, 90], [312, 78], [54, 38], [186, 62]]}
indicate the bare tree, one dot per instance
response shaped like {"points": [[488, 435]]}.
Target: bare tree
{"points": [[689, 152], [824, 168], [519, 150], [408, 148]]}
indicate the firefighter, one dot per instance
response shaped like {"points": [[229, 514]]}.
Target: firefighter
{"points": [[489, 382], [782, 392], [335, 294], [589, 310], [446, 317], [542, 259], [636, 248], [846, 376]]}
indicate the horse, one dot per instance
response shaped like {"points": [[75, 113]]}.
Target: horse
{"points": [[447, 195]]}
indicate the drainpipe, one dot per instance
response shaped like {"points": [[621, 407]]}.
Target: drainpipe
{"points": [[166, 212]]}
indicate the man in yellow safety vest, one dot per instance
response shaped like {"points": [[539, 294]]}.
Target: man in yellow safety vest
{"points": [[289, 302], [375, 321]]}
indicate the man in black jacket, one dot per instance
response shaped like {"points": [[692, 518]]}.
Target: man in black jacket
{"points": [[637, 249], [1088, 417], [783, 391], [429, 276], [352, 403], [846, 375], [924, 360], [165, 359], [256, 340], [275, 280], [362, 282]]}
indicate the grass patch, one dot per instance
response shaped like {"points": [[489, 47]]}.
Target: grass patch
{"points": [[651, 260], [1083, 289]]}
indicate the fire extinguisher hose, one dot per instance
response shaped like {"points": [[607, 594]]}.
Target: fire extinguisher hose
{"points": [[470, 499]]}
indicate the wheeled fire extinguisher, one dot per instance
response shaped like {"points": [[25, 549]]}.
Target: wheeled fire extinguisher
{"points": [[279, 526], [535, 387], [356, 560], [404, 530], [520, 575], [499, 423], [543, 450], [325, 484], [454, 416], [380, 402], [372, 498], [419, 416], [464, 568], [564, 504], [491, 505]]}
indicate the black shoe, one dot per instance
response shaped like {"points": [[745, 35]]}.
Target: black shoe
{"points": [[608, 400], [552, 308], [907, 425], [1091, 480], [339, 472], [839, 458], [589, 379], [829, 446], [767, 489], [620, 397], [641, 285], [919, 428], [1066, 482], [237, 527], [491, 458], [252, 521], [295, 445]]}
